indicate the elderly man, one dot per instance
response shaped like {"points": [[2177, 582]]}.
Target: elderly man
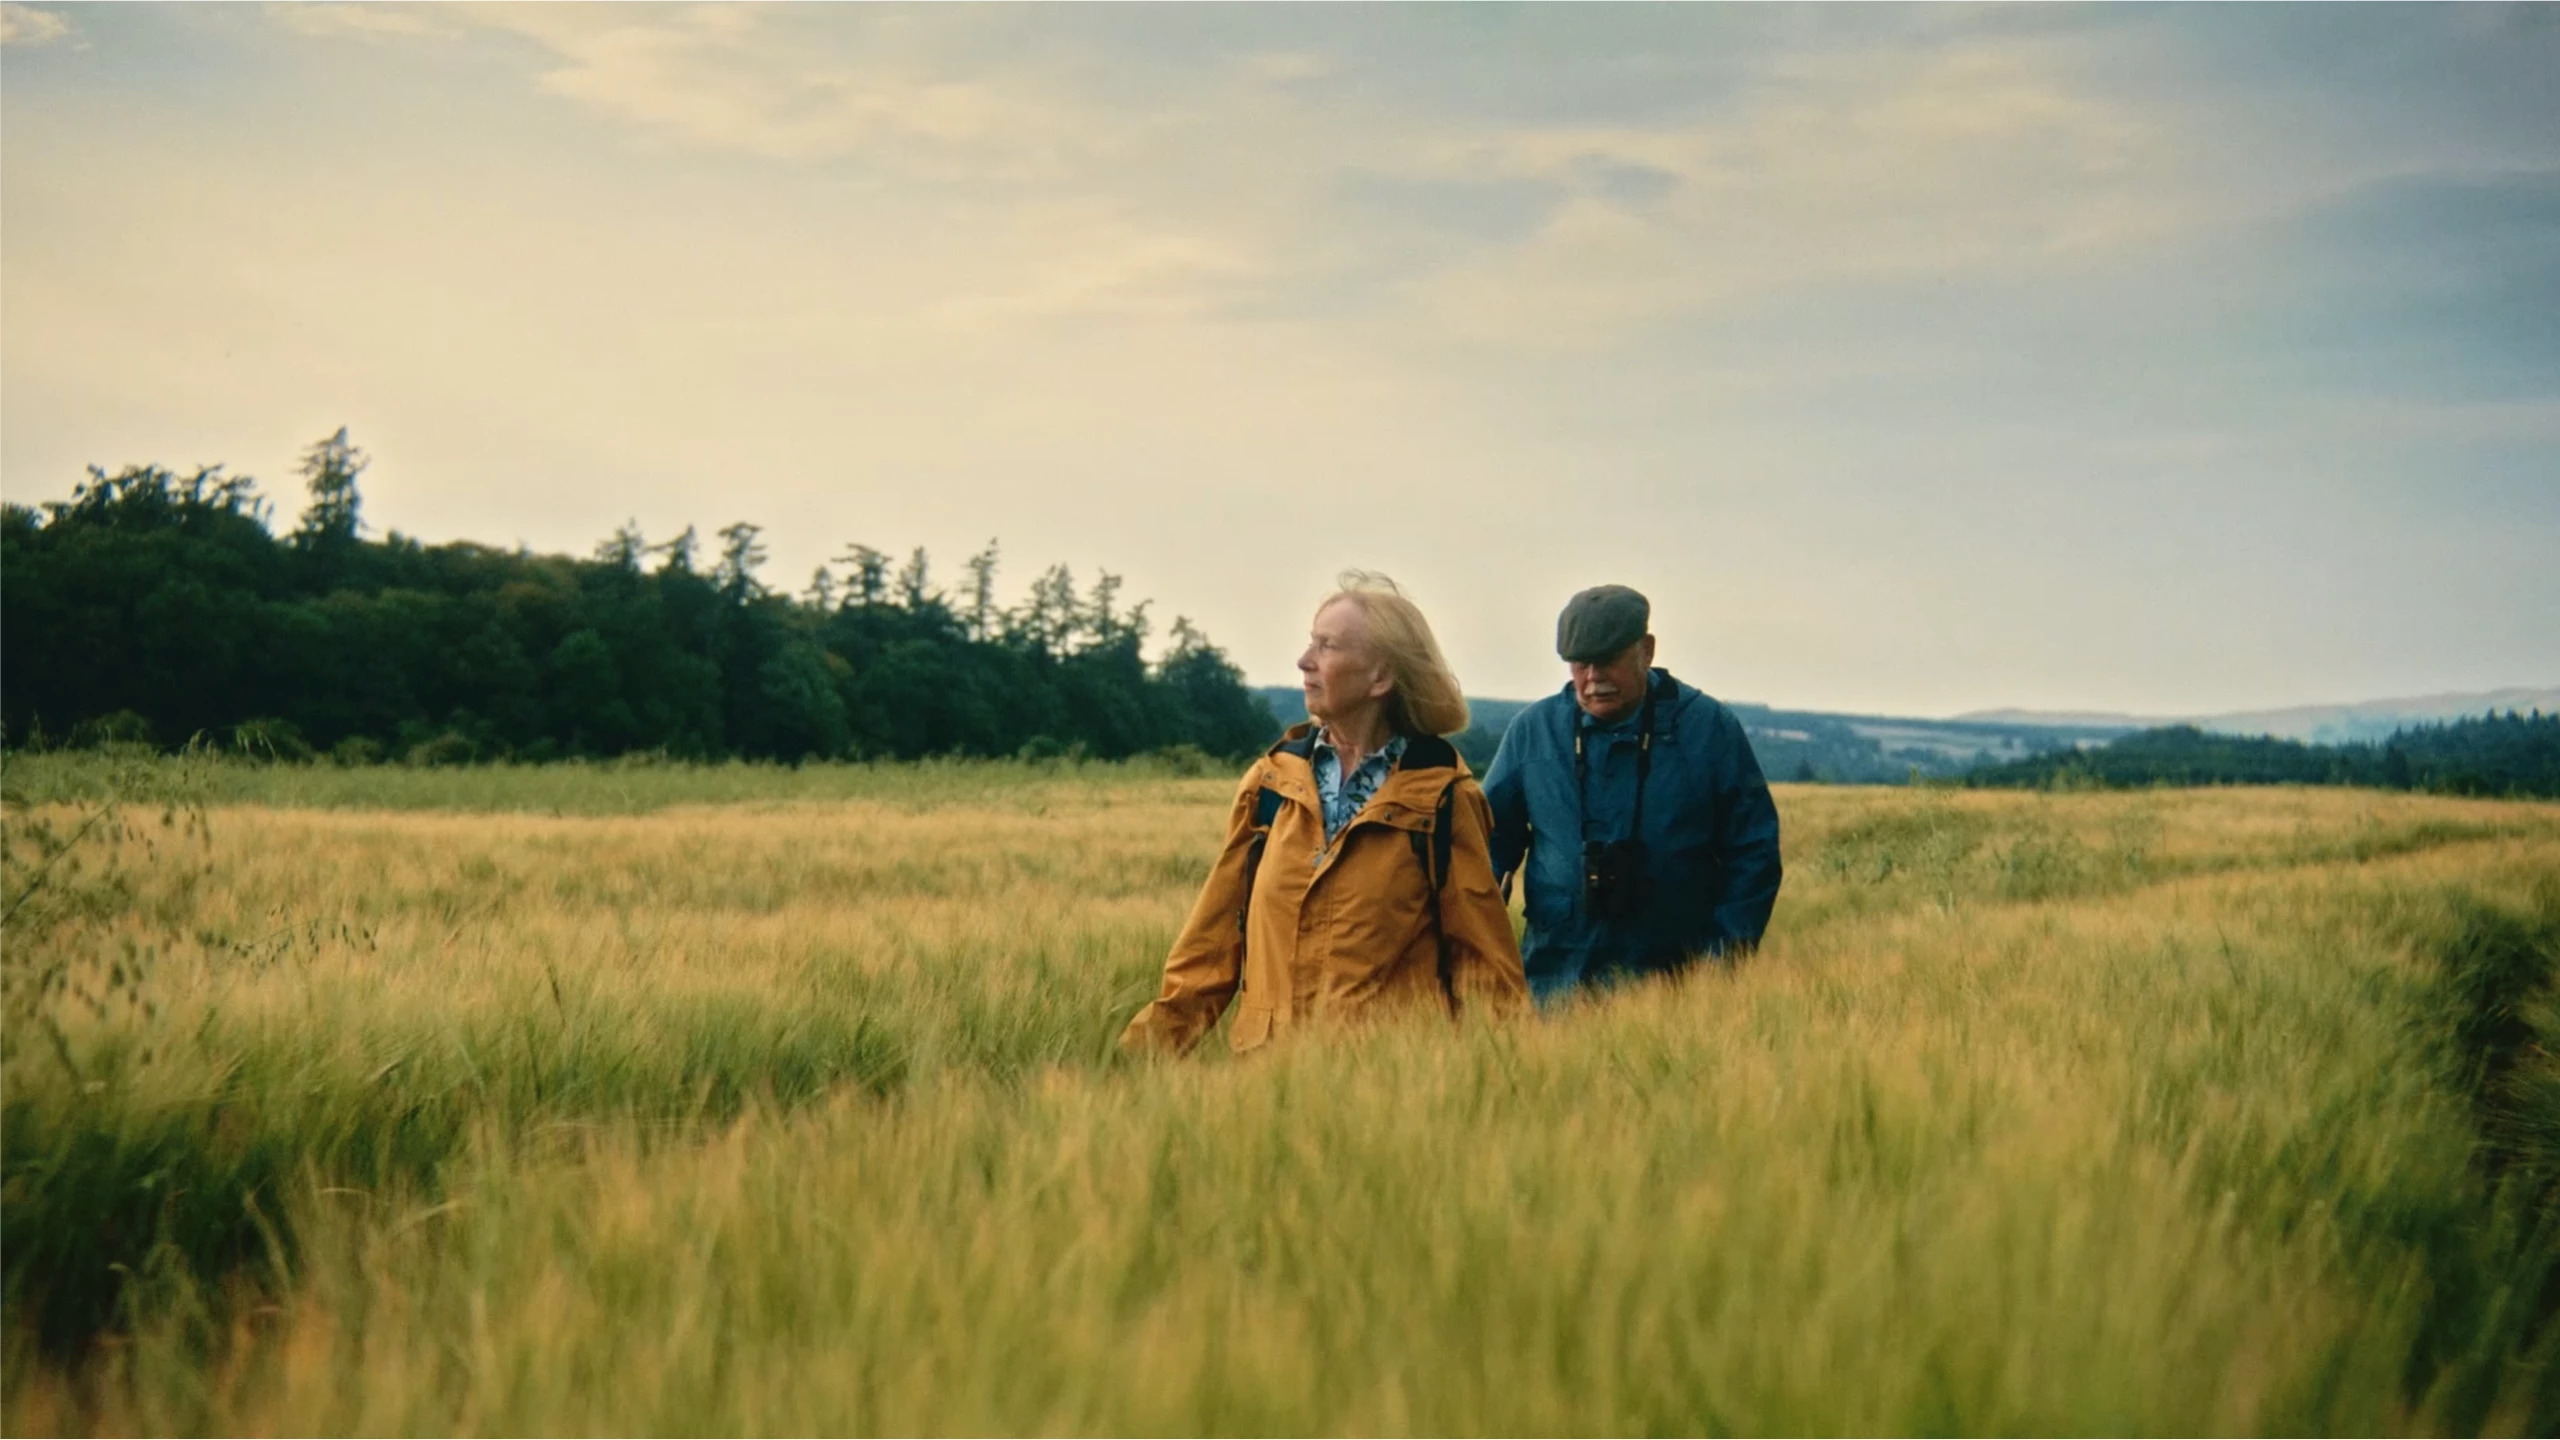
{"points": [[1648, 832]]}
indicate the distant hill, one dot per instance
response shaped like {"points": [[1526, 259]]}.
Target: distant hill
{"points": [[1888, 749], [2503, 754], [2368, 720], [1811, 744]]}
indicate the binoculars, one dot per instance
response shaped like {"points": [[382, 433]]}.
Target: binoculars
{"points": [[1613, 883]]}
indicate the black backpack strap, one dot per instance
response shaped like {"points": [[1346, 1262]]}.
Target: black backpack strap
{"points": [[1444, 835], [1428, 752], [1266, 810], [1431, 852], [1431, 848]]}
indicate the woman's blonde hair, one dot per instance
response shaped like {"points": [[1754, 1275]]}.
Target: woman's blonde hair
{"points": [[1426, 699]]}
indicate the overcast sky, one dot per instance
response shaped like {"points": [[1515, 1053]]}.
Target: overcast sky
{"points": [[1912, 360]]}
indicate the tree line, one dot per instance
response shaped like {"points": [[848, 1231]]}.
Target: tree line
{"points": [[154, 607], [2508, 754]]}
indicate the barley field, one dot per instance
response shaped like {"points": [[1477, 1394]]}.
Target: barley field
{"points": [[746, 1100]]}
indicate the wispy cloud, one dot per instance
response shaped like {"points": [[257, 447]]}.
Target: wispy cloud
{"points": [[1288, 67], [792, 86], [383, 21], [1844, 169], [1997, 354], [1224, 181], [29, 26], [1102, 265]]}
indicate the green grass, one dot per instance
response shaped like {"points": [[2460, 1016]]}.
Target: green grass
{"points": [[2171, 1111], [637, 785]]}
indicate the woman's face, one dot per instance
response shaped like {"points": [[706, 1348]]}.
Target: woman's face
{"points": [[1338, 672]]}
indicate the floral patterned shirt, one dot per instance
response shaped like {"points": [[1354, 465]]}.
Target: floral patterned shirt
{"points": [[1343, 796]]}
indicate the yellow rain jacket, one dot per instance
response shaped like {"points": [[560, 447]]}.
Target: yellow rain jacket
{"points": [[1344, 932]]}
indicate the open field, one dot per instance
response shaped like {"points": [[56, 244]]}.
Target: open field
{"points": [[785, 1101]]}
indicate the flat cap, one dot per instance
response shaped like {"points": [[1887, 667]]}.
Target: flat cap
{"points": [[1600, 622]]}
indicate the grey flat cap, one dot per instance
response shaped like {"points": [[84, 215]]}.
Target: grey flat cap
{"points": [[1600, 622]]}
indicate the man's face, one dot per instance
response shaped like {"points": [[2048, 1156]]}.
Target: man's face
{"points": [[1610, 690], [1337, 671]]}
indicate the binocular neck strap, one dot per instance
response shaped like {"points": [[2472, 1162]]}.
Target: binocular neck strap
{"points": [[1644, 761]]}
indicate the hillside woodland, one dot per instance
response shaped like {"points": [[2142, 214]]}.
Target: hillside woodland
{"points": [[153, 607], [2506, 754]]}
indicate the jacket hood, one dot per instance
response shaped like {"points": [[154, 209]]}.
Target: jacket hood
{"points": [[1425, 768]]}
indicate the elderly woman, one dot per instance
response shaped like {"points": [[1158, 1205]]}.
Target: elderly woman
{"points": [[1356, 878]]}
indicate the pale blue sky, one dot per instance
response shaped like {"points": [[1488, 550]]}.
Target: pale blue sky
{"points": [[1913, 359]]}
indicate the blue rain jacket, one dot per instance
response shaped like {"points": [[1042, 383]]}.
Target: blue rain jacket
{"points": [[1710, 836]]}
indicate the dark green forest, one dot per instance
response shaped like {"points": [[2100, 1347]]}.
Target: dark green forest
{"points": [[157, 608], [2506, 754]]}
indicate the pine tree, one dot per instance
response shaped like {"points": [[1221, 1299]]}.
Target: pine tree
{"points": [[914, 589], [623, 548], [678, 553], [982, 592], [741, 555], [335, 515], [869, 582]]}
